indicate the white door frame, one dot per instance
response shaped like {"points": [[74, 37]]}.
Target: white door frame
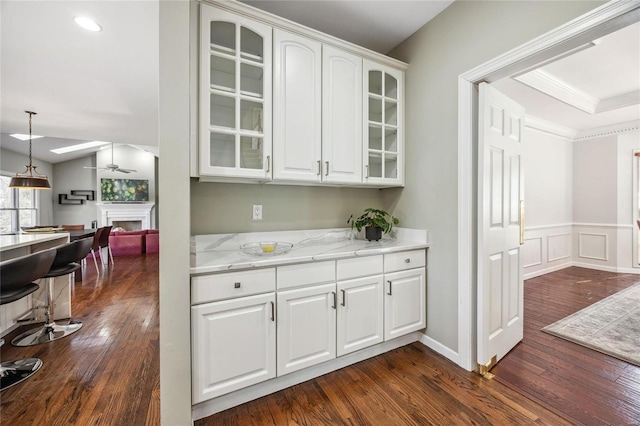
{"points": [[559, 42]]}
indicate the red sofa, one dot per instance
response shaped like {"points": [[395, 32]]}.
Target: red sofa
{"points": [[125, 243]]}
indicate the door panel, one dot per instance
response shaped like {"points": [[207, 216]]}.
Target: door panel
{"points": [[306, 327], [360, 314], [500, 296], [297, 107]]}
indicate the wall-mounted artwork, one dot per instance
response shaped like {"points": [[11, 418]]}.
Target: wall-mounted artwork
{"points": [[124, 190]]}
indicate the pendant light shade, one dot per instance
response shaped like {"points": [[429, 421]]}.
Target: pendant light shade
{"points": [[30, 178]]}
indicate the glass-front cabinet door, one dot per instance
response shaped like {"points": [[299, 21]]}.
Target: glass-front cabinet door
{"points": [[383, 125], [235, 96]]}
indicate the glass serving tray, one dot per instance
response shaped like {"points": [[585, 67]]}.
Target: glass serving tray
{"points": [[265, 248]]}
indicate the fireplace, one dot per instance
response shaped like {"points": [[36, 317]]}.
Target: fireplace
{"points": [[133, 215]]}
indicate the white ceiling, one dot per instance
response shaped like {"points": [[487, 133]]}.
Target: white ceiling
{"points": [[379, 25], [83, 85], [104, 86], [595, 87]]}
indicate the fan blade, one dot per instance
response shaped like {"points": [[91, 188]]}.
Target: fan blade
{"points": [[124, 170]]}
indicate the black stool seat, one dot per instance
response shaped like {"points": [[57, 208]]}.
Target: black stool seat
{"points": [[9, 296], [62, 270], [65, 262], [17, 276]]}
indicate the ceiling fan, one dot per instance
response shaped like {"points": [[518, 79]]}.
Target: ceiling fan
{"points": [[113, 167]]}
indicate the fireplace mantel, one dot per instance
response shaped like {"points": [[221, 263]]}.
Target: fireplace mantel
{"points": [[125, 211]]}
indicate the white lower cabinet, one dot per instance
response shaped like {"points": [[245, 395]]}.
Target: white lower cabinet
{"points": [[234, 345], [360, 314], [405, 302], [253, 325], [306, 327]]}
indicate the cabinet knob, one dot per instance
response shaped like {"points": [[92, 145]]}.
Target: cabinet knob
{"points": [[407, 261], [236, 285]]}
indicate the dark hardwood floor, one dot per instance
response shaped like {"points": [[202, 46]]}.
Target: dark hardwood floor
{"points": [[583, 385], [108, 372]]}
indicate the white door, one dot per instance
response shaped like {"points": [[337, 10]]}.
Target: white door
{"points": [[306, 327], [360, 314], [234, 345], [500, 285], [341, 116], [405, 302], [297, 91]]}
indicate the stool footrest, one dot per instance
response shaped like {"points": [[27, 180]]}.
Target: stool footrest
{"points": [[13, 372], [46, 333]]}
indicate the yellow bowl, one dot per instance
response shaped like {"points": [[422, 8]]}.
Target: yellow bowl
{"points": [[268, 247]]}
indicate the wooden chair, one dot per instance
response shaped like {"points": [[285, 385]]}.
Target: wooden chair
{"points": [[72, 227]]}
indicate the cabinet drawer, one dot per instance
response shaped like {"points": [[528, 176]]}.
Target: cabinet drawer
{"points": [[359, 267], [306, 273], [208, 288], [404, 260]]}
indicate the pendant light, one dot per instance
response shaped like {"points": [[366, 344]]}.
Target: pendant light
{"points": [[30, 178]]}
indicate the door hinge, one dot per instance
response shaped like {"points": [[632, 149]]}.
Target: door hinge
{"points": [[483, 370]]}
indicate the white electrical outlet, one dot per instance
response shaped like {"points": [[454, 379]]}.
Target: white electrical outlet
{"points": [[257, 212]]}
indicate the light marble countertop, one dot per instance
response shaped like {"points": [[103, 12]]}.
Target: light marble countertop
{"points": [[222, 252], [9, 242]]}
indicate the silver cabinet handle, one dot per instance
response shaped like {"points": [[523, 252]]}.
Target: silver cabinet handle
{"points": [[366, 174], [407, 261], [236, 285], [344, 298], [335, 300], [268, 163], [273, 311], [319, 168], [327, 172], [390, 288]]}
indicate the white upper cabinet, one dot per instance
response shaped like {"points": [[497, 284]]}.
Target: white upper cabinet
{"points": [[235, 96], [297, 85], [341, 116], [279, 102], [383, 120]]}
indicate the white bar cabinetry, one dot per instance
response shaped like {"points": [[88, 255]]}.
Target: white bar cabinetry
{"points": [[302, 315], [331, 115]]}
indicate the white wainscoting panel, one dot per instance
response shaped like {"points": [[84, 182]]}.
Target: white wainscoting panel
{"points": [[593, 246], [532, 252], [558, 246], [547, 248]]}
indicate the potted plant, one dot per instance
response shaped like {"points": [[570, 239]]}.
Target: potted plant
{"points": [[375, 223]]}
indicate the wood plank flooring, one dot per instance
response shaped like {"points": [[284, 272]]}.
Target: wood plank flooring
{"points": [[108, 372], [584, 386]]}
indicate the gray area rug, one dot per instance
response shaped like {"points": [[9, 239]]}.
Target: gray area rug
{"points": [[611, 326]]}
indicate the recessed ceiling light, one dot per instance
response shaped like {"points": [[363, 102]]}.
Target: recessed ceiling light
{"points": [[78, 147], [24, 137], [87, 23]]}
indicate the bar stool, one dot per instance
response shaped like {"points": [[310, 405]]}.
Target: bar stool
{"points": [[17, 282], [66, 262]]}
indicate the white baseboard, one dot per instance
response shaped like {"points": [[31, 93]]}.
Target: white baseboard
{"points": [[607, 268], [438, 347], [221, 403], [581, 265], [548, 270]]}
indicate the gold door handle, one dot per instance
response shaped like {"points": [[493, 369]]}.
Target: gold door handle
{"points": [[521, 222]]}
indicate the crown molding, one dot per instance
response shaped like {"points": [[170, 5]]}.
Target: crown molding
{"points": [[557, 88], [549, 84], [620, 101], [566, 133], [612, 129], [547, 127]]}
